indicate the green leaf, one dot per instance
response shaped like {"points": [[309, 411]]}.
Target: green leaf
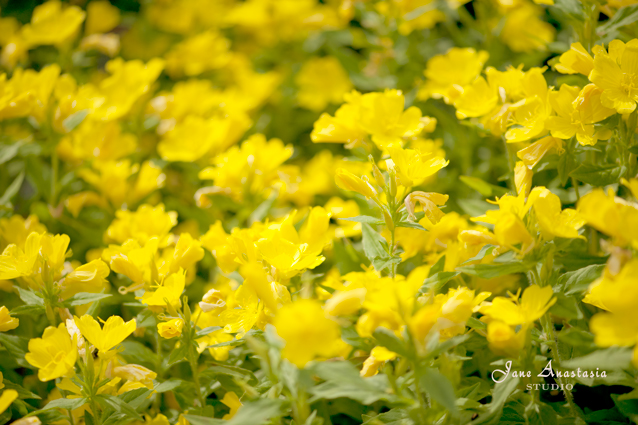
{"points": [[258, 412], [178, 354], [342, 380], [440, 389], [136, 352], [484, 188], [17, 346], [606, 359], [599, 175], [484, 252], [576, 337], [347, 259], [572, 8], [386, 338], [74, 120], [411, 225], [169, 385], [206, 331], [9, 151], [436, 282], [28, 309], [579, 280], [22, 392], [392, 417], [623, 16], [235, 372], [29, 297], [201, 420], [500, 394], [261, 211], [82, 298], [119, 405], [374, 246], [65, 403], [566, 307], [13, 188], [490, 271], [364, 219]]}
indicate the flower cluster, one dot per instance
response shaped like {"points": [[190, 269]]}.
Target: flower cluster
{"points": [[315, 212]]}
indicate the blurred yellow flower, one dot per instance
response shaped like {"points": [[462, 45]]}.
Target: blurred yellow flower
{"points": [[321, 81]]}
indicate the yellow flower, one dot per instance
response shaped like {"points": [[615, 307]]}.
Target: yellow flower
{"points": [[114, 332], [128, 82], [197, 137], [7, 397], [170, 329], [27, 93], [54, 249], [114, 180], [532, 305], [430, 203], [522, 177], [413, 167], [321, 81], [504, 340], [378, 356], [252, 168], [171, 289], [576, 60], [231, 400], [16, 262], [383, 117], [248, 312], [187, 252], [90, 277], [348, 181], [447, 314], [307, 332], [54, 354], [611, 215], [345, 303], [6, 321], [532, 154], [101, 17], [446, 75], [615, 291], [132, 260], [203, 52], [15, 230], [632, 185], [576, 113], [344, 127], [218, 353], [135, 373], [413, 14], [145, 223], [554, 222], [524, 31], [94, 139], [53, 24], [617, 76], [290, 251]]}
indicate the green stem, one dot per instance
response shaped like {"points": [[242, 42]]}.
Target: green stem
{"points": [[194, 369], [575, 184], [55, 165], [548, 327]]}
